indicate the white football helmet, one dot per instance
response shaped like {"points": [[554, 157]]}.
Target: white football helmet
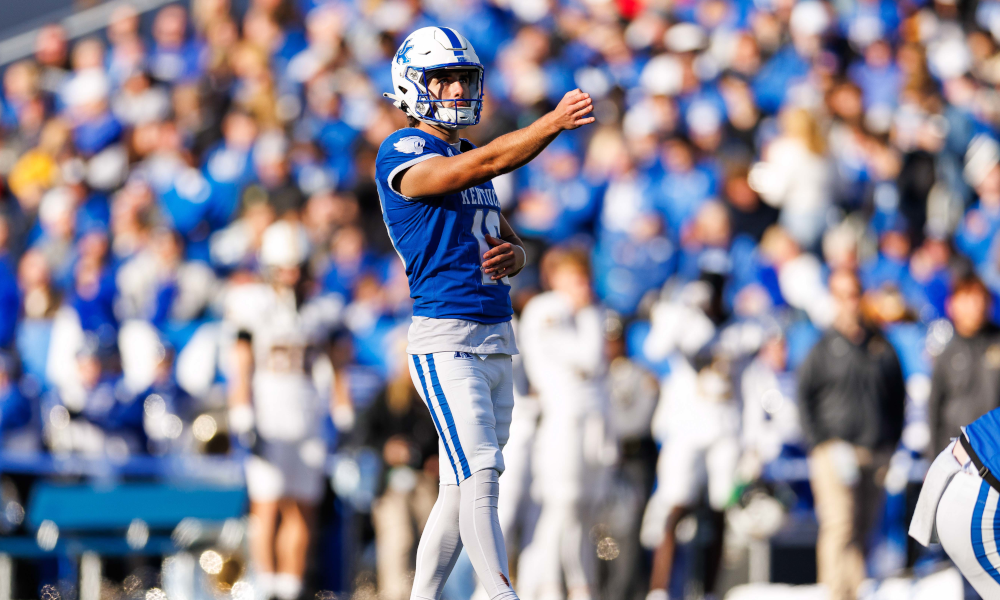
{"points": [[431, 49], [284, 245]]}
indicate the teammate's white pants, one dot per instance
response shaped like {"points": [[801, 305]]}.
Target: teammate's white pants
{"points": [[703, 454], [285, 469], [567, 479], [515, 483], [470, 400], [968, 525]]}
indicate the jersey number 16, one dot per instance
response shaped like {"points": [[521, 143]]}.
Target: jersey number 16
{"points": [[492, 222]]}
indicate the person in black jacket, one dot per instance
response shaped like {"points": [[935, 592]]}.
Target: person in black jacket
{"points": [[851, 398], [965, 383]]}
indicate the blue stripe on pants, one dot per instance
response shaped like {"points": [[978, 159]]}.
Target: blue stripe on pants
{"points": [[430, 407], [448, 418], [978, 547]]}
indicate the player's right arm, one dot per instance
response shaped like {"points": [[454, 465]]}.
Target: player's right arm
{"points": [[446, 175]]}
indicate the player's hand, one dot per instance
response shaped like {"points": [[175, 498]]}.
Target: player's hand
{"points": [[501, 259], [573, 109]]}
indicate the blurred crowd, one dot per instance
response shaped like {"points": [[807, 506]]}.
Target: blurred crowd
{"points": [[763, 175]]}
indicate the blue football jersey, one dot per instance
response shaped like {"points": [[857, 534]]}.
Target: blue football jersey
{"points": [[442, 239], [984, 436]]}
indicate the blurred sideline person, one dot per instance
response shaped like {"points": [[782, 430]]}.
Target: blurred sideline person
{"points": [[965, 383], [275, 408], [444, 220], [770, 415], [398, 425], [564, 356], [633, 395], [958, 504], [697, 421], [851, 398]]}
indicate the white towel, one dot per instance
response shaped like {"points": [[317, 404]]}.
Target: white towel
{"points": [[938, 477]]}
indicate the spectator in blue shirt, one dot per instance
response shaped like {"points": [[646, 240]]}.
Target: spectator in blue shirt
{"points": [[891, 264], [15, 410], [350, 260], [93, 293], [99, 417], [982, 170], [227, 167], [39, 301], [173, 57], [878, 76], [683, 187], [556, 202], [166, 406], [323, 124]]}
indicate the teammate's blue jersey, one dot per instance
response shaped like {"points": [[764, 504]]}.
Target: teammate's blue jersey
{"points": [[441, 239]]}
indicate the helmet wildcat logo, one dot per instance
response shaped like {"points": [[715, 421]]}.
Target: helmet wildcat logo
{"points": [[411, 144], [402, 57]]}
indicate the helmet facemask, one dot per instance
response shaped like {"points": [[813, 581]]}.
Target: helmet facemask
{"points": [[447, 112]]}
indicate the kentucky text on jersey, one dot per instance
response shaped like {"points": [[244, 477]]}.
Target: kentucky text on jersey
{"points": [[481, 196], [442, 239]]}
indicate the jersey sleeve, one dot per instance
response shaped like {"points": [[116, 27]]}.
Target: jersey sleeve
{"points": [[400, 151]]}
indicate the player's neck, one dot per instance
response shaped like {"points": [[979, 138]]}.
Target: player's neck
{"points": [[448, 135]]}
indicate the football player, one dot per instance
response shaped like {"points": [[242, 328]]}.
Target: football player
{"points": [[444, 220]]}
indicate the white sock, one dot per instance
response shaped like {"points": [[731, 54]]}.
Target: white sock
{"points": [[265, 584], [287, 586], [657, 595], [481, 535], [440, 545]]}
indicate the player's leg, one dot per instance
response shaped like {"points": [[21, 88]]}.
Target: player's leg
{"points": [[966, 524], [393, 544], [516, 478], [576, 551], [303, 490], [292, 547], [265, 486], [481, 533], [440, 542], [439, 547], [458, 391], [720, 465], [839, 560], [263, 526], [544, 572], [680, 477], [485, 427]]}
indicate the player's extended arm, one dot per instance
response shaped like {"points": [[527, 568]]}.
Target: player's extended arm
{"points": [[506, 256], [445, 175]]}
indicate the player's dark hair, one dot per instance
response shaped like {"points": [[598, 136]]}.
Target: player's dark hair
{"points": [[410, 121]]}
